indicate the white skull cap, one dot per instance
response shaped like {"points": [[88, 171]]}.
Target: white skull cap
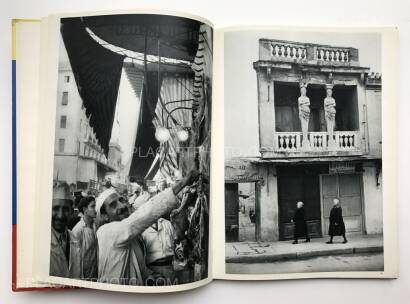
{"points": [[107, 195]]}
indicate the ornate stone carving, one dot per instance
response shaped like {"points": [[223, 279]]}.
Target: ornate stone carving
{"points": [[330, 114], [304, 114]]}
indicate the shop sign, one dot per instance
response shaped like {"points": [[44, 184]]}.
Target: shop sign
{"points": [[341, 167], [240, 171]]}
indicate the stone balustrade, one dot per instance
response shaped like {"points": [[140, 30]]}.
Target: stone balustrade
{"points": [[332, 54], [289, 51], [288, 141], [319, 141], [347, 140]]}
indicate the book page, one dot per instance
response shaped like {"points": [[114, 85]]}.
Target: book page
{"points": [[125, 152], [310, 141], [26, 56]]}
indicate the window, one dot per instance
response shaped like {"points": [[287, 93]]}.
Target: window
{"points": [[61, 143], [64, 101], [63, 121], [67, 79]]}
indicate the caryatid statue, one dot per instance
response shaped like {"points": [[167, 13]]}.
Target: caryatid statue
{"points": [[304, 114], [330, 114]]}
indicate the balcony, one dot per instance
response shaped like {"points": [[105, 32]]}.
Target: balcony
{"points": [[288, 51], [89, 150], [343, 141]]}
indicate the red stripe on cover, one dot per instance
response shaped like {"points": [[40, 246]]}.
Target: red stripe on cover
{"points": [[14, 269], [13, 257]]}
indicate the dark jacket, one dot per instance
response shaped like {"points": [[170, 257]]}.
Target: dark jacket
{"points": [[336, 225], [300, 223]]}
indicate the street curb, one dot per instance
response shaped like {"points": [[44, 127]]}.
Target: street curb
{"points": [[374, 249], [324, 252], [269, 258]]}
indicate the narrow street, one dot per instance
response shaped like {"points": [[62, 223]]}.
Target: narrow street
{"points": [[348, 262]]}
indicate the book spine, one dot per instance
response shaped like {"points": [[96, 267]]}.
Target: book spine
{"points": [[14, 287], [14, 168]]}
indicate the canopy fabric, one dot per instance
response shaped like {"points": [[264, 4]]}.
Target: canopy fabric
{"points": [[202, 66], [178, 36], [136, 78], [97, 72], [201, 126], [146, 146], [186, 92], [176, 84], [177, 96]]}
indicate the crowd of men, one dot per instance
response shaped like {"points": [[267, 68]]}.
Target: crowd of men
{"points": [[135, 239]]}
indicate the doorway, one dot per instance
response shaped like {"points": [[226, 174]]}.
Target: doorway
{"points": [[299, 183], [240, 212], [348, 189]]}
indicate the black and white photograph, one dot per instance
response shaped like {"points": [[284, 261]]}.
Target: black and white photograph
{"points": [[303, 152], [131, 177]]}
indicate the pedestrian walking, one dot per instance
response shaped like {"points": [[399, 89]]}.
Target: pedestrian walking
{"points": [[300, 223], [336, 223]]}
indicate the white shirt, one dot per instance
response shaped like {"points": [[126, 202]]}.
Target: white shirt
{"points": [[121, 250], [159, 242], [140, 200]]}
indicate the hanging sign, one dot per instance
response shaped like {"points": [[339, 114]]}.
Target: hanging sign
{"points": [[342, 167], [241, 171]]}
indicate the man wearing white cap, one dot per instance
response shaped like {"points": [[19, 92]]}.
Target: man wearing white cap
{"points": [[65, 249], [121, 250]]}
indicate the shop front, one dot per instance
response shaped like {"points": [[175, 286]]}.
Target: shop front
{"points": [[279, 186], [317, 186]]}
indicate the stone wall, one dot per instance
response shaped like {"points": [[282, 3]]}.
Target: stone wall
{"points": [[373, 199], [267, 205]]}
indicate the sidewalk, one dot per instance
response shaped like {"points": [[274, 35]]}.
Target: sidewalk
{"points": [[261, 252]]}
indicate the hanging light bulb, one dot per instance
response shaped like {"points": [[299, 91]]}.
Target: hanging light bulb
{"points": [[182, 134], [177, 174], [162, 134]]}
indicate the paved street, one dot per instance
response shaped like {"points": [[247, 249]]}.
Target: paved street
{"points": [[348, 262], [268, 252]]}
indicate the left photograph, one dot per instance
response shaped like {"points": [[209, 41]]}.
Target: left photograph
{"points": [[131, 174]]}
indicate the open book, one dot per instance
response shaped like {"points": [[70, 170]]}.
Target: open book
{"points": [[123, 182]]}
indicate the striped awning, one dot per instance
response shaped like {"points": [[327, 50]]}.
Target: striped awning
{"points": [[176, 85], [97, 72], [179, 36]]}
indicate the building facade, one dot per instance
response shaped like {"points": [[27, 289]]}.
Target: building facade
{"points": [[79, 160], [119, 176], [320, 138]]}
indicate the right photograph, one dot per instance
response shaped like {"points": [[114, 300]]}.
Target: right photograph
{"points": [[303, 152]]}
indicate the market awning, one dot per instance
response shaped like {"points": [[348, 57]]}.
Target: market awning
{"points": [[178, 36], [97, 69], [97, 72], [145, 148]]}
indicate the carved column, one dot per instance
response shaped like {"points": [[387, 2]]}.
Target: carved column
{"points": [[304, 114], [329, 104]]}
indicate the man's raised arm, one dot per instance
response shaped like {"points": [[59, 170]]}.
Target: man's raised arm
{"points": [[155, 208]]}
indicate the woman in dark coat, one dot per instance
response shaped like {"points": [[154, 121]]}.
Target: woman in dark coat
{"points": [[300, 224], [336, 225]]}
